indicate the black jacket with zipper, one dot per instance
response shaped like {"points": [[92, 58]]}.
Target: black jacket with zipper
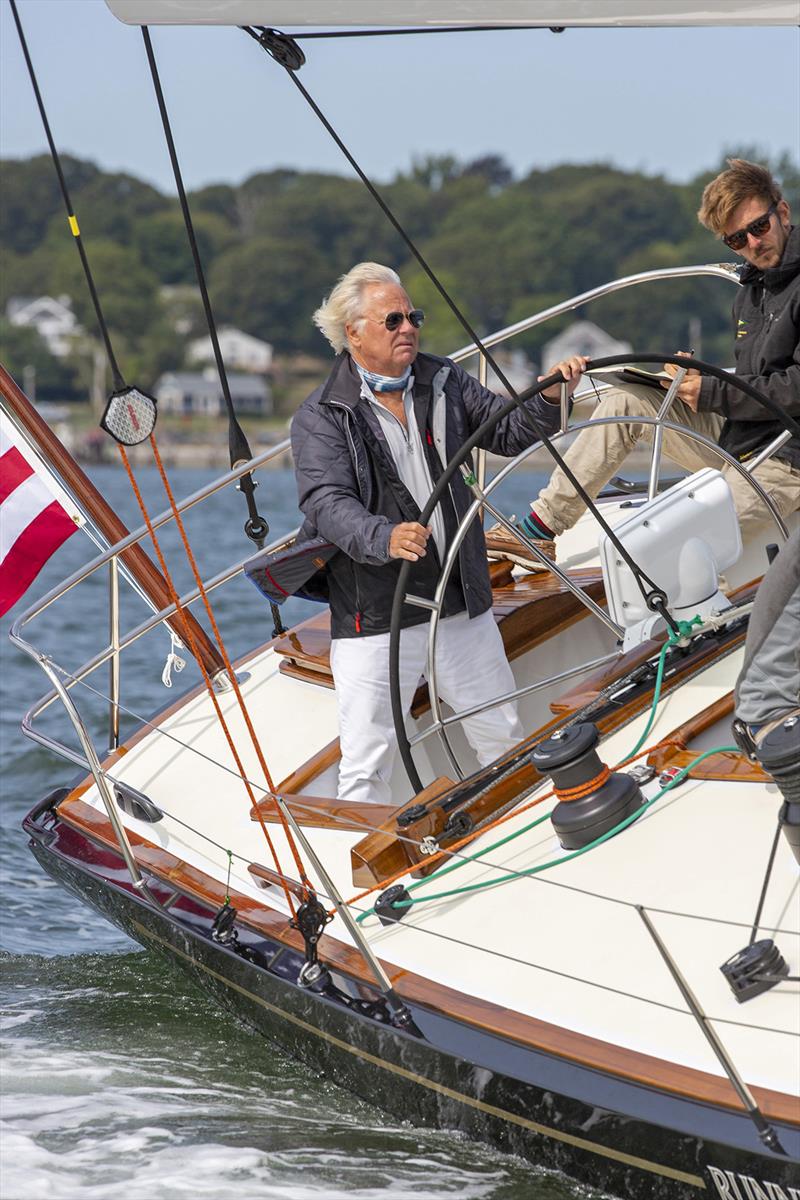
{"points": [[351, 494], [766, 314]]}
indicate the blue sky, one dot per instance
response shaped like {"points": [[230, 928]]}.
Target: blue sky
{"points": [[668, 101]]}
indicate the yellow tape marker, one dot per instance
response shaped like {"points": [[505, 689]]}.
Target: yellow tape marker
{"points": [[73, 224]]}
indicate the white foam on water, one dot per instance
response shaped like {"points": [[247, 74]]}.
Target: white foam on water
{"points": [[152, 1165], [80, 1125]]}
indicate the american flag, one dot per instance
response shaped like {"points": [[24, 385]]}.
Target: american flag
{"points": [[36, 515]]}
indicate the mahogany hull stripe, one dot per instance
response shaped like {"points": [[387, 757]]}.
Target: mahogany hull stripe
{"points": [[434, 1078]]}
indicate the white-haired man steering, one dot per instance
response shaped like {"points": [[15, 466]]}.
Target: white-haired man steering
{"points": [[369, 446]]}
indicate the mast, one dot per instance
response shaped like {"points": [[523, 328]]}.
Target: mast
{"points": [[135, 558]]}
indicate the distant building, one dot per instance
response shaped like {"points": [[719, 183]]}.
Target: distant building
{"points": [[200, 393], [517, 368], [581, 337], [51, 317], [240, 351]]}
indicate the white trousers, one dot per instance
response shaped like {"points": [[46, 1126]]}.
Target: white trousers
{"points": [[471, 667]]}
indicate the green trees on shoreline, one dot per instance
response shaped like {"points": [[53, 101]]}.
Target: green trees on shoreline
{"points": [[274, 245]]}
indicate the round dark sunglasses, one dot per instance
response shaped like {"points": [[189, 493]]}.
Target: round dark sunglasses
{"points": [[756, 228], [394, 320]]}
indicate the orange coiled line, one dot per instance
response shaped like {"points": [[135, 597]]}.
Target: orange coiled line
{"points": [[584, 789], [228, 666]]}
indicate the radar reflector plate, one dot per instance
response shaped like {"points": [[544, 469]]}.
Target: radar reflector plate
{"points": [[130, 416]]}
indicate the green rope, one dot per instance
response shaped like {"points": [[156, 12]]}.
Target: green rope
{"points": [[683, 630], [511, 875], [228, 880]]}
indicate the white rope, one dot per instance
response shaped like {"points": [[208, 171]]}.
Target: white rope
{"points": [[174, 660]]}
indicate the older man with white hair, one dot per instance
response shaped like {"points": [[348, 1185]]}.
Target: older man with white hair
{"points": [[369, 446]]}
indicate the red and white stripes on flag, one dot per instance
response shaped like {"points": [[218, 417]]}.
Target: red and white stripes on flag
{"points": [[36, 515]]}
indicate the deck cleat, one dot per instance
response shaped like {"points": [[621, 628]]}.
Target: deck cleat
{"points": [[642, 773]]}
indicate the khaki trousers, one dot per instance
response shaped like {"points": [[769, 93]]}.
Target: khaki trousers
{"points": [[598, 452]]}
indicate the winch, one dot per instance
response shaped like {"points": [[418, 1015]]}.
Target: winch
{"points": [[592, 798]]}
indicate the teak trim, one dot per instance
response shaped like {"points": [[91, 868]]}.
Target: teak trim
{"points": [[324, 812], [383, 853]]}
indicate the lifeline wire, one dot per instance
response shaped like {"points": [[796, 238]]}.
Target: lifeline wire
{"points": [[448, 852], [473, 946]]}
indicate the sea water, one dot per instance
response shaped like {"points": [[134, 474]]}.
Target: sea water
{"points": [[120, 1079]]}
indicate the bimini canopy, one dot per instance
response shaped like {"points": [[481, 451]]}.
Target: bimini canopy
{"points": [[283, 14]]}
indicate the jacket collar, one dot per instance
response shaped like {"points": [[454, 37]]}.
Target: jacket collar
{"points": [[343, 385]]}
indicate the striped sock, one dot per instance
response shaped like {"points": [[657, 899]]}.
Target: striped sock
{"points": [[535, 527]]}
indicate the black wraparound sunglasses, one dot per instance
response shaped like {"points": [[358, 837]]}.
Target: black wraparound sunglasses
{"points": [[756, 228], [394, 320]]}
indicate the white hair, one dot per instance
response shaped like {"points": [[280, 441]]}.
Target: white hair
{"points": [[343, 306]]}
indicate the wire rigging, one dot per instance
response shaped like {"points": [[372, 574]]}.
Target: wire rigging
{"points": [[119, 382], [139, 425], [256, 527], [287, 54]]}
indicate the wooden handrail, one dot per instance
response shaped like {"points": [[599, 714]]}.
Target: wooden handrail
{"points": [[135, 558]]}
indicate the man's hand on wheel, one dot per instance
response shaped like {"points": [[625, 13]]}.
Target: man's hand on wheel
{"points": [[409, 540]]}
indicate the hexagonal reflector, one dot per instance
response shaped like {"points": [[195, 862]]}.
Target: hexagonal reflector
{"points": [[130, 416]]}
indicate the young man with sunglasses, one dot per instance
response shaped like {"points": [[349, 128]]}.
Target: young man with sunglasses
{"points": [[744, 207], [369, 446]]}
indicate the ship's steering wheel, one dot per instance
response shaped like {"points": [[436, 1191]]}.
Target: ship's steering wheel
{"points": [[459, 462]]}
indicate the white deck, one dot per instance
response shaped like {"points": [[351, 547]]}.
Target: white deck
{"points": [[581, 959]]}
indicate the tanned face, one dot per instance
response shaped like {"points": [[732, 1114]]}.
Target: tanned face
{"points": [[767, 250], [385, 351]]}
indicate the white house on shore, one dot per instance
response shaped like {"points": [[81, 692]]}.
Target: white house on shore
{"points": [[240, 351], [581, 337], [200, 393], [52, 318]]}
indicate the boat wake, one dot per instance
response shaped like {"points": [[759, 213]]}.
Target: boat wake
{"points": [[135, 1085]]}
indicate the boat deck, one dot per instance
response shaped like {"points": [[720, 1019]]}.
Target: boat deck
{"points": [[562, 957]]}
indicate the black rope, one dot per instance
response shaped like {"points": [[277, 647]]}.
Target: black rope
{"points": [[765, 884], [357, 33], [119, 382], [256, 527], [238, 444], [280, 47]]}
